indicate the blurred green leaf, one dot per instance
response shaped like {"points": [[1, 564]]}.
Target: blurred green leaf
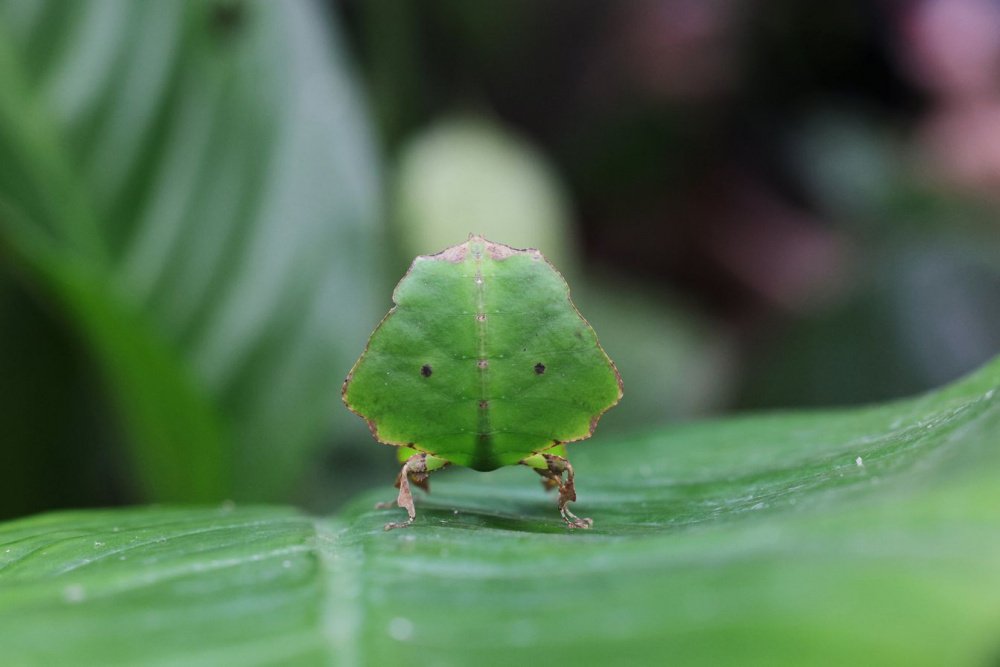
{"points": [[864, 536], [195, 185]]}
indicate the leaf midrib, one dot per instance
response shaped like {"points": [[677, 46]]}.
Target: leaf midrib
{"points": [[341, 566]]}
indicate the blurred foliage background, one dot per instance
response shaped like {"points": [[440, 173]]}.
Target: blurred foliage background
{"points": [[204, 206]]}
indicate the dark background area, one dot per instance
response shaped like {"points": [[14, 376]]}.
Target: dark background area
{"points": [[779, 166]]}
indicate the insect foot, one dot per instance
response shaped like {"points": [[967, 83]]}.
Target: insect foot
{"points": [[552, 472]]}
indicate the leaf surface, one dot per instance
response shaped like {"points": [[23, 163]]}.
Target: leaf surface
{"points": [[862, 536]]}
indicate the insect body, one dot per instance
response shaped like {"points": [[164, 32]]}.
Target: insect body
{"points": [[483, 362]]}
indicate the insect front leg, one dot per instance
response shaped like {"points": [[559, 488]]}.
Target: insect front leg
{"points": [[415, 470], [552, 468]]}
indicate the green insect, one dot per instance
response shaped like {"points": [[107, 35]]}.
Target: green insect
{"points": [[483, 362]]}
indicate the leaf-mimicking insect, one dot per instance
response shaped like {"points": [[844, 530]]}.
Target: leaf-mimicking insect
{"points": [[483, 362]]}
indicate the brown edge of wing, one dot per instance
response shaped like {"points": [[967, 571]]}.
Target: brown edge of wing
{"points": [[611, 364]]}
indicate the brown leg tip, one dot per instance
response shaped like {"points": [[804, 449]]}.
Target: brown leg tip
{"points": [[573, 521], [397, 524]]}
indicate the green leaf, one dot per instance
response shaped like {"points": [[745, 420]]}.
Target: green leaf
{"points": [[863, 536], [194, 185]]}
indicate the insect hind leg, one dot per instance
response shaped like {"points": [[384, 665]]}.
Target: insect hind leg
{"points": [[552, 468]]}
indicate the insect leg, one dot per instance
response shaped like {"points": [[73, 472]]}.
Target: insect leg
{"points": [[552, 468], [415, 470]]}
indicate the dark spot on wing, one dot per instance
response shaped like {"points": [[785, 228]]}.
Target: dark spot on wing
{"points": [[426, 371], [539, 368], [484, 404], [483, 364]]}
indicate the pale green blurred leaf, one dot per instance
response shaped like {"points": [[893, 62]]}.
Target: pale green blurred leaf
{"points": [[194, 183], [864, 536], [469, 175]]}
